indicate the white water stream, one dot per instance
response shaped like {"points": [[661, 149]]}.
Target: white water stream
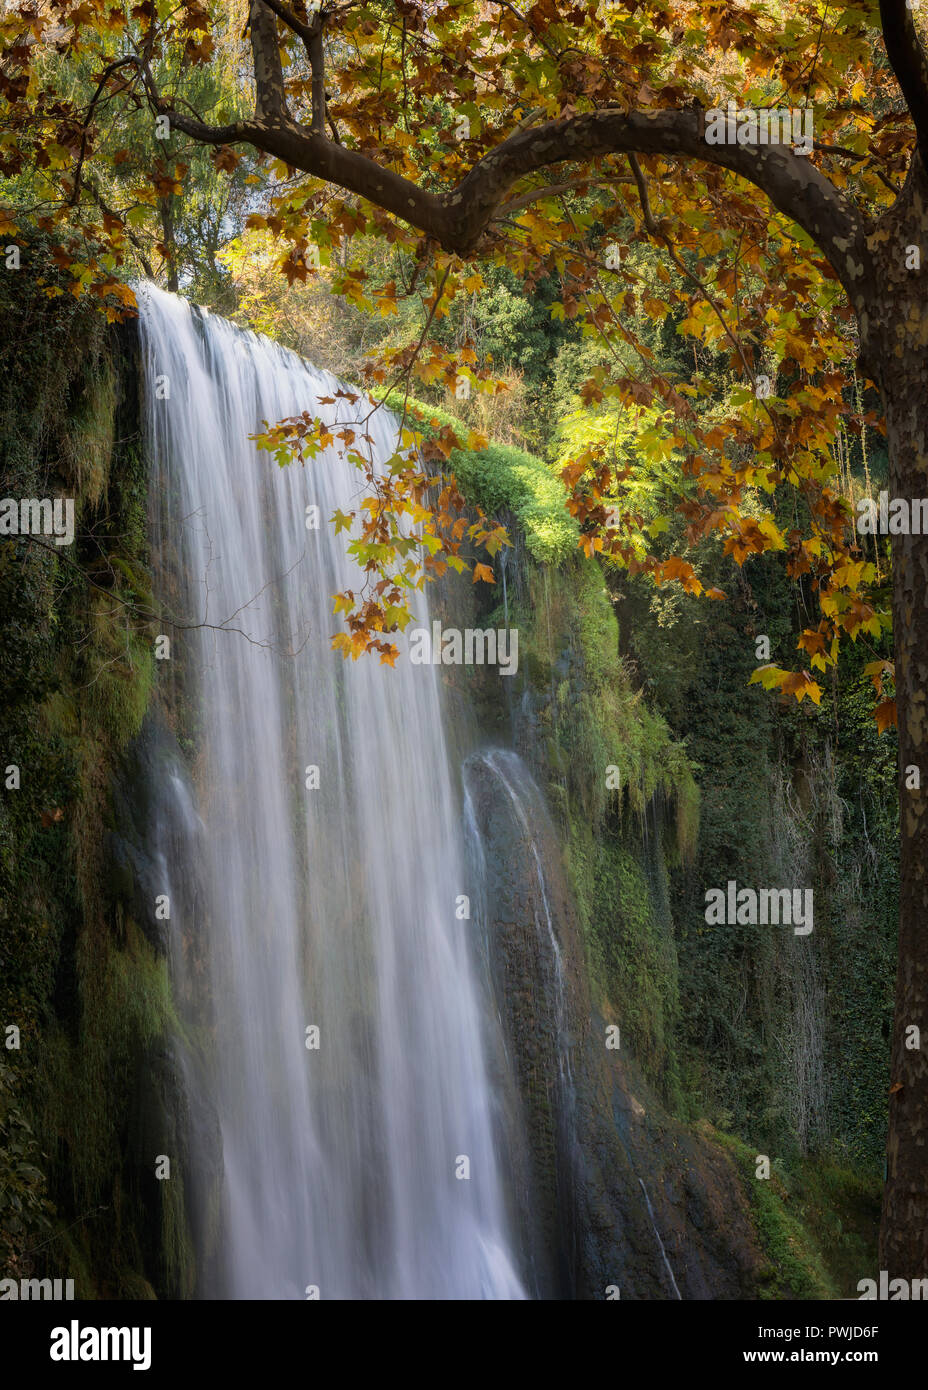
{"points": [[331, 907]]}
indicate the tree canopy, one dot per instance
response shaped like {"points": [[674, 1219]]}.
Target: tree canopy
{"points": [[551, 141]]}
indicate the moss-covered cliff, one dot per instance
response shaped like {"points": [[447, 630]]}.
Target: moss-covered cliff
{"points": [[85, 1098], [665, 774]]}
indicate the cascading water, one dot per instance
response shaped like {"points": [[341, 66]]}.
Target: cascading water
{"points": [[515, 853], [329, 906]]}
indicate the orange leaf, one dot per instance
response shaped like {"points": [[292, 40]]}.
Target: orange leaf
{"points": [[885, 715], [811, 642], [801, 684]]}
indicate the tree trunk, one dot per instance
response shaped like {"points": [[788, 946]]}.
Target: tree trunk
{"points": [[166, 210], [904, 1235], [894, 340]]}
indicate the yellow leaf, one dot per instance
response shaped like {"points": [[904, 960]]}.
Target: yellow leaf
{"points": [[768, 676]]}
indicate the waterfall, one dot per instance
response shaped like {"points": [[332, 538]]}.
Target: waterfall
{"points": [[344, 1166]]}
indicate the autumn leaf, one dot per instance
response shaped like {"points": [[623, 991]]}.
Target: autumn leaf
{"points": [[225, 158], [681, 570], [801, 684], [769, 676], [878, 671], [885, 715]]}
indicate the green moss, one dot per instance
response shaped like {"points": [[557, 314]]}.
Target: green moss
{"points": [[88, 442], [623, 790], [796, 1267], [502, 477], [24, 1207], [119, 692], [88, 1084], [616, 753], [840, 1205], [89, 992]]}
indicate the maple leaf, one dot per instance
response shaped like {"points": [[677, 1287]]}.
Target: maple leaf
{"points": [[681, 570], [811, 642], [769, 676], [878, 671], [885, 715], [225, 158], [801, 684]]}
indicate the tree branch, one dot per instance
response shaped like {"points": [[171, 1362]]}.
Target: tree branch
{"points": [[130, 61], [270, 101], [652, 226], [317, 64], [111, 212], [866, 160], [790, 181], [151, 615], [907, 60], [311, 35], [457, 220], [303, 31]]}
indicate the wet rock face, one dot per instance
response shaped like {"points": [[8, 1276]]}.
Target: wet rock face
{"points": [[136, 878], [524, 897], [667, 1216], [172, 1113], [612, 1193]]}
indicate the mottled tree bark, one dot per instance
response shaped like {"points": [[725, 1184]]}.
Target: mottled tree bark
{"points": [[894, 342], [904, 1236]]}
